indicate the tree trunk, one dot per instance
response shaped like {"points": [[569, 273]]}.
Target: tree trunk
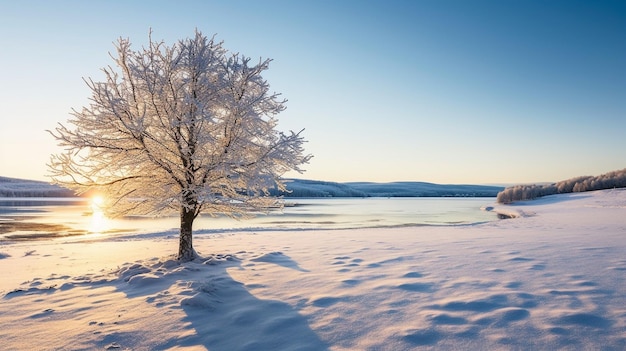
{"points": [[185, 246]]}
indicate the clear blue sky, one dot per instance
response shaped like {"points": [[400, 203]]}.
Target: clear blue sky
{"points": [[440, 91]]}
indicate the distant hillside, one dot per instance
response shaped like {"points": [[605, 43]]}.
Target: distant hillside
{"points": [[314, 188], [421, 189], [12, 187], [615, 179]]}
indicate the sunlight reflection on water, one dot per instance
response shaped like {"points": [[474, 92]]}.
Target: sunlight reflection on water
{"points": [[99, 223], [82, 216]]}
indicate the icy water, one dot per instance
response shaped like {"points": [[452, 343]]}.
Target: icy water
{"points": [[46, 218]]}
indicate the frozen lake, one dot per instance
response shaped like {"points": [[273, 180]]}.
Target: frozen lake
{"points": [[32, 218]]}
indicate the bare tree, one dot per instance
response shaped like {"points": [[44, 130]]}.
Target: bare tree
{"points": [[188, 127]]}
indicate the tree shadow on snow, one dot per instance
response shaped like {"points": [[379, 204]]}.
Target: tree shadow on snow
{"points": [[280, 259], [223, 313]]}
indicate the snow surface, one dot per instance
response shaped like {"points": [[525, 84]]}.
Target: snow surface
{"points": [[552, 278]]}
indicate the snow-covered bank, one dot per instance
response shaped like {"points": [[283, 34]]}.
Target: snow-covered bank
{"points": [[553, 279]]}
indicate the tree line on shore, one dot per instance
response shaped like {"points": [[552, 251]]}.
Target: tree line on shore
{"points": [[610, 180]]}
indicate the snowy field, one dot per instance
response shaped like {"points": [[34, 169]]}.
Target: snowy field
{"points": [[553, 278]]}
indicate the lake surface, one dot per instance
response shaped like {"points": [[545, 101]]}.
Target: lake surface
{"points": [[45, 218]]}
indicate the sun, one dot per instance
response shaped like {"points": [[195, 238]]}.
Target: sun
{"points": [[96, 202]]}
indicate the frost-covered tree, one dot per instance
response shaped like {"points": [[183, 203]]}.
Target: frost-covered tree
{"points": [[189, 128]]}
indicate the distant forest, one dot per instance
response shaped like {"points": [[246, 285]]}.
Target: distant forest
{"points": [[315, 188], [13, 187], [615, 179]]}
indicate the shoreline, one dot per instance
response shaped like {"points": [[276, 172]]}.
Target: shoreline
{"points": [[58, 222], [553, 280]]}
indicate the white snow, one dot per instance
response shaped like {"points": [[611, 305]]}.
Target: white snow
{"points": [[550, 279]]}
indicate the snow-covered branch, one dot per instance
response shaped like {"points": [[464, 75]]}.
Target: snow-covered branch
{"points": [[187, 127]]}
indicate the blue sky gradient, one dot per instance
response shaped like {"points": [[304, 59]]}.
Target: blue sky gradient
{"points": [[440, 91]]}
